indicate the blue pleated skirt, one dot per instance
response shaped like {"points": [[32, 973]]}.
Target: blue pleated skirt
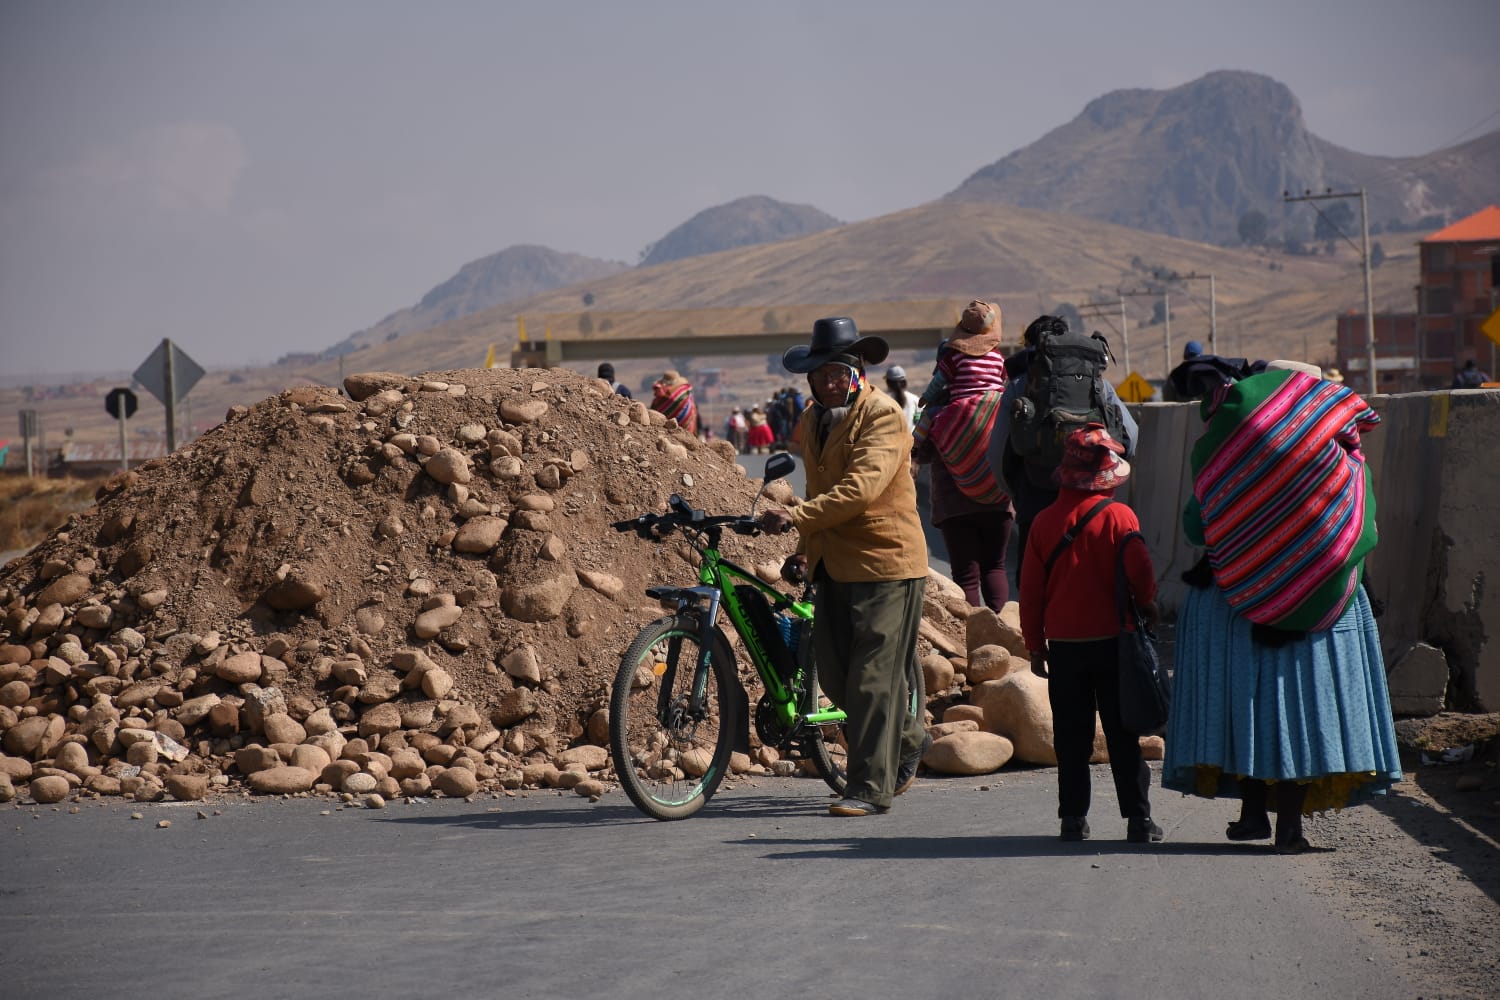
{"points": [[1314, 711]]}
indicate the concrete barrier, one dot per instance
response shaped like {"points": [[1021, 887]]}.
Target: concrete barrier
{"points": [[1435, 463]]}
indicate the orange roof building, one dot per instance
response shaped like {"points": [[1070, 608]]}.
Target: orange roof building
{"points": [[1460, 274], [1482, 226]]}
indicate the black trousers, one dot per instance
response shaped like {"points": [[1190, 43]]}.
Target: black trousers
{"points": [[1085, 678]]}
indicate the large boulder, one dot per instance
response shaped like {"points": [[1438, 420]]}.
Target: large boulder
{"points": [[969, 752], [991, 662], [985, 628], [284, 780], [1016, 707]]}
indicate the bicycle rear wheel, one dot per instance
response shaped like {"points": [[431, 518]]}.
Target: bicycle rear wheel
{"points": [[826, 746], [670, 750]]}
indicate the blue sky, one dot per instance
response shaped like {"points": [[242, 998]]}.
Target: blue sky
{"points": [[255, 178]]}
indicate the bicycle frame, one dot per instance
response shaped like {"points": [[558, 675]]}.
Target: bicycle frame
{"points": [[717, 577]]}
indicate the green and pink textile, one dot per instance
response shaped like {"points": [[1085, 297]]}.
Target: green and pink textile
{"points": [[1282, 498]]}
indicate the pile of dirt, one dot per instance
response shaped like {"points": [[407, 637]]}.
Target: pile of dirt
{"points": [[415, 580]]}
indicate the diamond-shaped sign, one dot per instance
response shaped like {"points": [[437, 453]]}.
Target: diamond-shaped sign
{"points": [[1134, 389], [1491, 327], [152, 374]]}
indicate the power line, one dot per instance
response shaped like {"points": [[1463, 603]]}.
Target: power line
{"points": [[1364, 220]]}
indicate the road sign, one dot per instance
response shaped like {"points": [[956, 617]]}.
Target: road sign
{"points": [[152, 374], [118, 398], [1491, 327], [28, 423], [1134, 389]]}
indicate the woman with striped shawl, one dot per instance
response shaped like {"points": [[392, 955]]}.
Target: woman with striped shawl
{"points": [[1279, 691], [952, 433], [672, 395]]}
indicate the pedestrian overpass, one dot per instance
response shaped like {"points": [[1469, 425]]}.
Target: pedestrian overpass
{"points": [[555, 352]]}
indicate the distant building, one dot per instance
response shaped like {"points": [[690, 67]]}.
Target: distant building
{"points": [[87, 460], [1460, 272]]}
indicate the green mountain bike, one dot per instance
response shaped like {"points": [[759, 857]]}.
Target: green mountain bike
{"points": [[678, 709]]}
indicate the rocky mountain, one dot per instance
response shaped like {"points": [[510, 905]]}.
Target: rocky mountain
{"points": [[740, 223], [1194, 160], [514, 273], [522, 271]]}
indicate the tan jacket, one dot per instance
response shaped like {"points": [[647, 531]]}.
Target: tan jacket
{"points": [[860, 517]]}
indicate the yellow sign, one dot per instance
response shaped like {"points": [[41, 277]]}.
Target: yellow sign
{"points": [[1135, 389], [1491, 327]]}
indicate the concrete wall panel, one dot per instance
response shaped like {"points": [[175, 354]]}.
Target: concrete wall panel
{"points": [[1435, 464]]}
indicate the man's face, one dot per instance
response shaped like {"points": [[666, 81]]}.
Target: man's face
{"points": [[830, 383]]}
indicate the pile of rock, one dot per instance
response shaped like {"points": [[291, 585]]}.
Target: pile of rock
{"points": [[410, 589]]}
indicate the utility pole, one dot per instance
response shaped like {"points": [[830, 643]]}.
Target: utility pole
{"points": [[1166, 316], [1125, 293], [1097, 310], [1364, 226], [1213, 325]]}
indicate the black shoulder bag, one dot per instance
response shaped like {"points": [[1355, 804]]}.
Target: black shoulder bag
{"points": [[1145, 688]]}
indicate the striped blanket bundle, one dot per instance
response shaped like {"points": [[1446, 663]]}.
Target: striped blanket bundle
{"points": [[676, 402], [959, 429], [1284, 497], [960, 432]]}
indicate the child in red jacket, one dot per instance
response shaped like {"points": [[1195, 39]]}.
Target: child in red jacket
{"points": [[1071, 626]]}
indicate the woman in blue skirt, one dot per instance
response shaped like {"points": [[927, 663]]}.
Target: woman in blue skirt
{"points": [[1279, 693]]}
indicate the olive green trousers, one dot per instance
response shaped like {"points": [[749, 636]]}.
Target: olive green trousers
{"points": [[864, 637]]}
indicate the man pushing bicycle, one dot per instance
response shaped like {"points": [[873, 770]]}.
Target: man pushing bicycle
{"points": [[861, 538]]}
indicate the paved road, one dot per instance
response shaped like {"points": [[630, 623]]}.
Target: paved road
{"points": [[958, 892]]}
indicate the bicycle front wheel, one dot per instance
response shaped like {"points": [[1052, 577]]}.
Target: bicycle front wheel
{"points": [[671, 731]]}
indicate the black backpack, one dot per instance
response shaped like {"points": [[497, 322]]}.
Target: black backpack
{"points": [[1064, 391]]}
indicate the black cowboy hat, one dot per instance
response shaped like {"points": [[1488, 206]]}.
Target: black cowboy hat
{"points": [[833, 338]]}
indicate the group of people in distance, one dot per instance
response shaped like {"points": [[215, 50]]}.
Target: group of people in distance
{"points": [[1280, 695], [758, 431]]}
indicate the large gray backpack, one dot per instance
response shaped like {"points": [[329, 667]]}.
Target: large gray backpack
{"points": [[1064, 391]]}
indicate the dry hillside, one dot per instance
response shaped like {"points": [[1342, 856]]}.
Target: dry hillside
{"points": [[941, 254], [912, 268]]}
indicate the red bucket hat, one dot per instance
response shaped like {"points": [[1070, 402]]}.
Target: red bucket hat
{"points": [[1092, 461]]}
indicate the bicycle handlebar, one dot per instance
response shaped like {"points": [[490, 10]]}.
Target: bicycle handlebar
{"points": [[681, 515]]}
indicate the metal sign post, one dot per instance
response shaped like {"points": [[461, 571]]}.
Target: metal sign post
{"points": [[28, 431], [121, 404]]}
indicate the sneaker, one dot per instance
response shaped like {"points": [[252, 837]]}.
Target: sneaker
{"points": [[906, 771], [1141, 830], [854, 807], [1074, 828]]}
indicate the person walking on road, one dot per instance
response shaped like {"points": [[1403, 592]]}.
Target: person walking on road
{"points": [[968, 506], [1280, 694], [1030, 493], [1071, 626], [861, 539], [895, 385]]}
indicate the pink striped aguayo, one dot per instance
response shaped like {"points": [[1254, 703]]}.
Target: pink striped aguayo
{"points": [[1283, 497]]}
